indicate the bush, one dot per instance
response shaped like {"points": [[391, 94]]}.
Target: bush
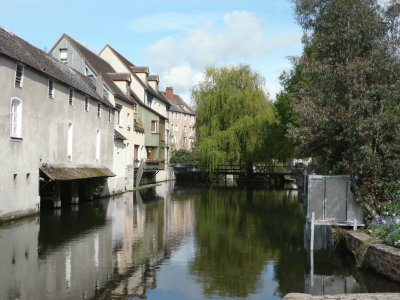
{"points": [[183, 156], [393, 238], [386, 228]]}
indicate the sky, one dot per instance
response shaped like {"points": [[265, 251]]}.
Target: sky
{"points": [[176, 39]]}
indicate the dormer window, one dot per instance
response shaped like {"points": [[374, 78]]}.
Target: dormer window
{"points": [[89, 73], [19, 73], [51, 89], [106, 91], [64, 55]]}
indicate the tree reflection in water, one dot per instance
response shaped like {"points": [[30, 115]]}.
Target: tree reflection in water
{"points": [[238, 232]]}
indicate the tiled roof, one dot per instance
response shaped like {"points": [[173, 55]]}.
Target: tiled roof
{"points": [[21, 51], [63, 173], [126, 62], [120, 76], [154, 78], [140, 69], [178, 105], [99, 65], [135, 69]]}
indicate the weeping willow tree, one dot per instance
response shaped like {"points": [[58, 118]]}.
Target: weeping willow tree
{"points": [[233, 115]]}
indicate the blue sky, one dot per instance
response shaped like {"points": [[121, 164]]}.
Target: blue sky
{"points": [[176, 39]]}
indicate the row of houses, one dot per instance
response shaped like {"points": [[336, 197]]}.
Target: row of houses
{"points": [[75, 124]]}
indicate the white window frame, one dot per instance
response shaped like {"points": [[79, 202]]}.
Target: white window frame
{"points": [[50, 92], [64, 55], [119, 116], [19, 75], [16, 118], [106, 91]]}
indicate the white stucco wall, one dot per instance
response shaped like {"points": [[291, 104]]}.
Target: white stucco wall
{"points": [[44, 136]]}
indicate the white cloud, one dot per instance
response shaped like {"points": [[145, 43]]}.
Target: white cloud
{"points": [[237, 37], [168, 21]]}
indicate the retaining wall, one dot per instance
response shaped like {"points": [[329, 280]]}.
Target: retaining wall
{"points": [[379, 257]]}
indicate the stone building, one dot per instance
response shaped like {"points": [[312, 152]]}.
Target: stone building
{"points": [[182, 120], [54, 131]]}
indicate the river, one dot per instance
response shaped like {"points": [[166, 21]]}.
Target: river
{"points": [[171, 242]]}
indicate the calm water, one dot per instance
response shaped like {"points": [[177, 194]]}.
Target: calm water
{"points": [[173, 243]]}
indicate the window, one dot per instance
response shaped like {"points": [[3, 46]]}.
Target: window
{"points": [[64, 55], [184, 129], [71, 97], [176, 128], [19, 73], [153, 128], [86, 103], [89, 73], [99, 110], [98, 146], [106, 91], [184, 116], [119, 119], [70, 140], [16, 118], [109, 114], [51, 89]]}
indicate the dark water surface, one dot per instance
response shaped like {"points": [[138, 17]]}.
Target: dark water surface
{"points": [[174, 243]]}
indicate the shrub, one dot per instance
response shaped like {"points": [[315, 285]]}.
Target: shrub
{"points": [[183, 156]]}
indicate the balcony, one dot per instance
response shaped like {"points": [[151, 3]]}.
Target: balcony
{"points": [[151, 164]]}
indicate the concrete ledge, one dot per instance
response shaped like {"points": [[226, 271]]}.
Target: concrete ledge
{"points": [[379, 257], [16, 215]]}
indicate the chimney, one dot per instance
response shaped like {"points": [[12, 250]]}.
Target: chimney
{"points": [[169, 93]]}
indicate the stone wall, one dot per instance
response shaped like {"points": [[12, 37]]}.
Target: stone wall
{"points": [[379, 257]]}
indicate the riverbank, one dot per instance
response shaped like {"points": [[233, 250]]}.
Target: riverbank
{"points": [[382, 296], [374, 255]]}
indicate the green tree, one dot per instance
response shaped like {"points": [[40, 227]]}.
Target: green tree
{"points": [[282, 146], [233, 116], [348, 104]]}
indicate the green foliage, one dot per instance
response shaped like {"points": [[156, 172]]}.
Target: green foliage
{"points": [[393, 238], [184, 156], [389, 208], [347, 96], [232, 116], [282, 147]]}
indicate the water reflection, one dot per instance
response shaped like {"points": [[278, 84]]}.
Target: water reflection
{"points": [[180, 243]]}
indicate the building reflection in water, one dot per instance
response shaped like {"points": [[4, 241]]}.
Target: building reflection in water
{"points": [[107, 248]]}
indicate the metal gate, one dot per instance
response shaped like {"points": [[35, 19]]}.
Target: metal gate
{"points": [[331, 200]]}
